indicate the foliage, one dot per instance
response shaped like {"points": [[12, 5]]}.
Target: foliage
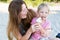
{"points": [[33, 3]]}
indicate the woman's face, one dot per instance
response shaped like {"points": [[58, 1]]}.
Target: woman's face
{"points": [[23, 13], [44, 12]]}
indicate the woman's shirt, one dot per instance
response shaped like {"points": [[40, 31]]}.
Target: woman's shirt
{"points": [[23, 27]]}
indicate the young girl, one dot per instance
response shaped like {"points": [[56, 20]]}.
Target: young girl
{"points": [[43, 26]]}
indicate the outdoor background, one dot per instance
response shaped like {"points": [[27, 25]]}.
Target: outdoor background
{"points": [[54, 15]]}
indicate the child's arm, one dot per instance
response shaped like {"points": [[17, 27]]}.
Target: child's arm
{"points": [[46, 32]]}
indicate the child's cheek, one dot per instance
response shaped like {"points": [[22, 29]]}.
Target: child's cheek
{"points": [[40, 14]]}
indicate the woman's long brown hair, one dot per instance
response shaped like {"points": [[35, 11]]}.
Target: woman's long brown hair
{"points": [[14, 9]]}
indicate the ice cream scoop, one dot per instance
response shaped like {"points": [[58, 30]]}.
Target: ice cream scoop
{"points": [[39, 20]]}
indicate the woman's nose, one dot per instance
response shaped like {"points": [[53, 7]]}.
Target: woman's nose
{"points": [[26, 10]]}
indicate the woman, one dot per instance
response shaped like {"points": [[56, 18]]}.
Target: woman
{"points": [[19, 22]]}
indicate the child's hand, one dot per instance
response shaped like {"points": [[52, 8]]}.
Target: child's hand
{"points": [[33, 28], [37, 26]]}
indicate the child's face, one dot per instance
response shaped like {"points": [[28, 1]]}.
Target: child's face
{"points": [[43, 12]]}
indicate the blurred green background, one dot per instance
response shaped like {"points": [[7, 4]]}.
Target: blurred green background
{"points": [[33, 3]]}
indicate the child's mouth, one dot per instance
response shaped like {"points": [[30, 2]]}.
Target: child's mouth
{"points": [[43, 17]]}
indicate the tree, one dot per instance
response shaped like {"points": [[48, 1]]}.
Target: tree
{"points": [[3, 0], [33, 3]]}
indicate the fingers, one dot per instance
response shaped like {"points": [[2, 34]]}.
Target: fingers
{"points": [[35, 28]]}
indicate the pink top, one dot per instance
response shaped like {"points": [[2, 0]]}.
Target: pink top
{"points": [[36, 36]]}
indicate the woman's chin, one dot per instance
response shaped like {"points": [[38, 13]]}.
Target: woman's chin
{"points": [[24, 17]]}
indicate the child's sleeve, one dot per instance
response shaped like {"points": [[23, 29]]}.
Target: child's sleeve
{"points": [[33, 21], [48, 29], [48, 25]]}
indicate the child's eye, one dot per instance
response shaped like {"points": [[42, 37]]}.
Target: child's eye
{"points": [[46, 12], [41, 12]]}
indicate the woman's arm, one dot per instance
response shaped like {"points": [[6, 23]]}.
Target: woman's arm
{"points": [[27, 35]]}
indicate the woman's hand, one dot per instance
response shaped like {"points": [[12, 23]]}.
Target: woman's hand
{"points": [[36, 27]]}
